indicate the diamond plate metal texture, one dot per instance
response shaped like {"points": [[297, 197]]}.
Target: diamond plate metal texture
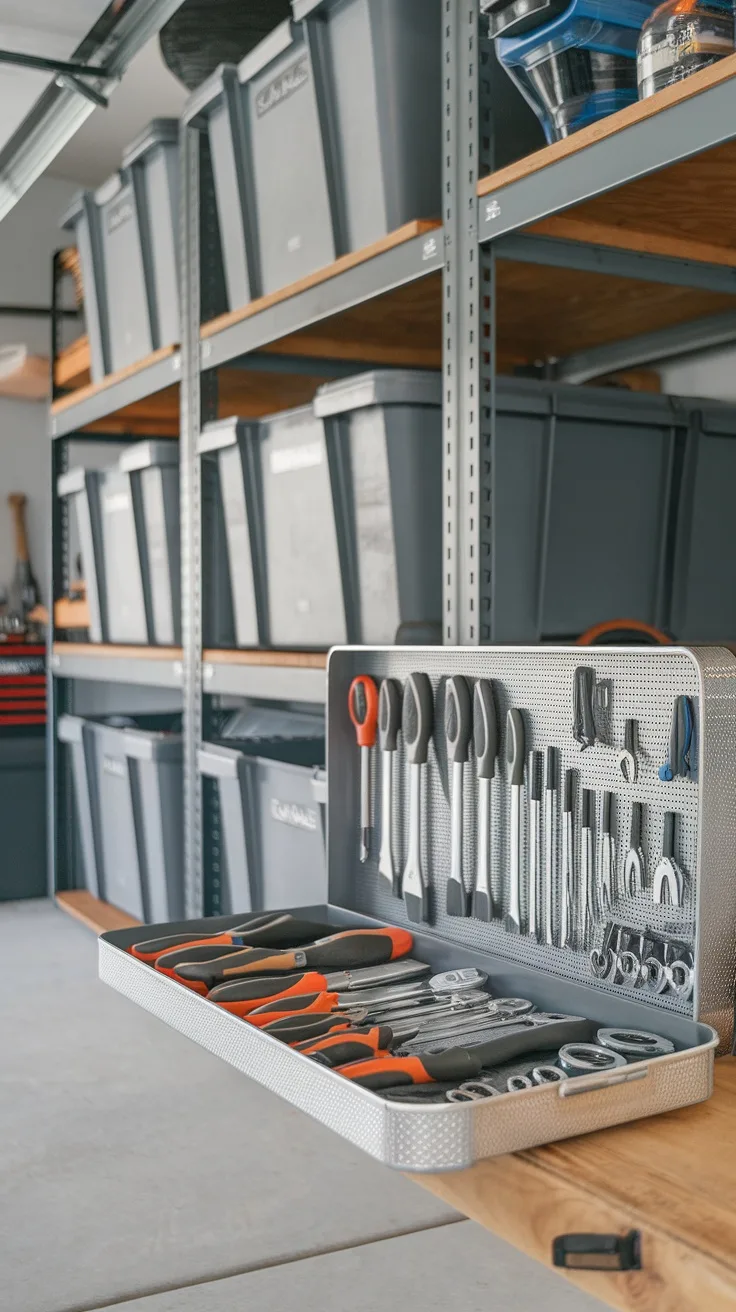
{"points": [[417, 1139], [643, 685]]}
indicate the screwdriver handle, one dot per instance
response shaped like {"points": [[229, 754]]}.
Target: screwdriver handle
{"points": [[458, 719], [418, 718], [515, 747], [344, 951], [296, 1029], [356, 1045], [248, 994], [363, 707], [389, 1072], [485, 724], [312, 1004], [389, 715]]}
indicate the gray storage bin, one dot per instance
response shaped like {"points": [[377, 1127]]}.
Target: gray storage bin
{"points": [[325, 138], [581, 508], [704, 592], [231, 443], [127, 233], [137, 775], [272, 825], [23, 815], [140, 531], [82, 488], [71, 731], [351, 490]]}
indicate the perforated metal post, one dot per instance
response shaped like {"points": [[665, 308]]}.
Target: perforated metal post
{"points": [[467, 339]]}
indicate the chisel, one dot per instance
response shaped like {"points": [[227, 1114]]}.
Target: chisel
{"points": [[587, 867], [550, 841], [389, 727], [458, 731], [515, 754], [535, 842], [275, 930], [348, 950], [485, 727], [567, 891]]}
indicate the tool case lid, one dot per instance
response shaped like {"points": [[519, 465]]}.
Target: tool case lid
{"points": [[160, 132], [276, 43], [223, 433], [379, 387], [146, 455]]}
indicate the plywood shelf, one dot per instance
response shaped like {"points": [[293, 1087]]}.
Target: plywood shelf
{"points": [[92, 912]]}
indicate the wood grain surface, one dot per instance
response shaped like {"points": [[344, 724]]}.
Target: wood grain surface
{"points": [[672, 1177], [310, 660], [96, 915], [104, 651]]}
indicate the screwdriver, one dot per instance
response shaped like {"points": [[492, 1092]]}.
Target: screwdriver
{"points": [[389, 727], [515, 755], [458, 730], [486, 750], [350, 949], [357, 1045], [271, 931], [418, 720], [466, 1063], [244, 996], [363, 706]]}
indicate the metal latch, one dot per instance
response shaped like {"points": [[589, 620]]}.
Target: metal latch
{"points": [[598, 1252]]}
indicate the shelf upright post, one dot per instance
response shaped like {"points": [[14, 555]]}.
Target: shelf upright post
{"points": [[467, 309], [191, 517]]}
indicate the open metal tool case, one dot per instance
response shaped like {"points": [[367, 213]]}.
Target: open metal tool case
{"points": [[634, 684]]}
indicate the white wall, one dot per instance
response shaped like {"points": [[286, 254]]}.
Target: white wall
{"points": [[28, 237], [712, 374]]}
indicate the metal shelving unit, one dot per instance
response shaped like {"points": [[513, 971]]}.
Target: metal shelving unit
{"points": [[499, 278]]}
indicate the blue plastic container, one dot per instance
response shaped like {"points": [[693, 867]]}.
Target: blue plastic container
{"points": [[581, 66]]}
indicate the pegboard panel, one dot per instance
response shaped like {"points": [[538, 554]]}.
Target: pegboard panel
{"points": [[642, 685]]}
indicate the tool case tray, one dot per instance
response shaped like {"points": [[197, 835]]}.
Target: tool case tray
{"points": [[432, 1138]]}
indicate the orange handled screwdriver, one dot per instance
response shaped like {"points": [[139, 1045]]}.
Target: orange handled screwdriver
{"points": [[270, 931], [350, 949], [356, 1045], [363, 706], [245, 995]]}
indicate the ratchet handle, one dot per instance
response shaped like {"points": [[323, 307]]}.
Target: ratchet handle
{"points": [[507, 1047], [485, 725], [389, 715], [350, 949], [418, 718], [357, 1045], [363, 705], [458, 719], [515, 747]]}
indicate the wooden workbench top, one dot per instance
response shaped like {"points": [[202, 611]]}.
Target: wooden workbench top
{"points": [[672, 1177]]}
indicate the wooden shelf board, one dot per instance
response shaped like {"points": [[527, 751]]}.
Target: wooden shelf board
{"points": [[106, 651], [672, 1177], [311, 660], [547, 312], [96, 915], [95, 389], [417, 228], [665, 212]]}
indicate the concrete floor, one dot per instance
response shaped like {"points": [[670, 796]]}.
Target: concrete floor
{"points": [[137, 1170]]}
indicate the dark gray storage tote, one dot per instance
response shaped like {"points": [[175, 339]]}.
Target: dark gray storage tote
{"points": [[72, 730], [271, 816], [704, 591], [351, 501], [140, 531], [127, 232], [137, 775], [231, 443], [325, 138], [82, 489]]}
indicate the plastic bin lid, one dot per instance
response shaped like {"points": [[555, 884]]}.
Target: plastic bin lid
{"points": [[217, 762], [590, 13], [160, 132], [75, 480], [260, 723], [379, 387], [69, 728], [147, 745], [146, 455], [209, 91], [222, 433], [275, 44]]}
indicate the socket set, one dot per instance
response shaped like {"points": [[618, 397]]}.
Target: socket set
{"points": [[516, 864]]}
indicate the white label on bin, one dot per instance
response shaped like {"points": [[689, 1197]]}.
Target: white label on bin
{"points": [[289, 813], [283, 86], [118, 501], [290, 458], [111, 765]]}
